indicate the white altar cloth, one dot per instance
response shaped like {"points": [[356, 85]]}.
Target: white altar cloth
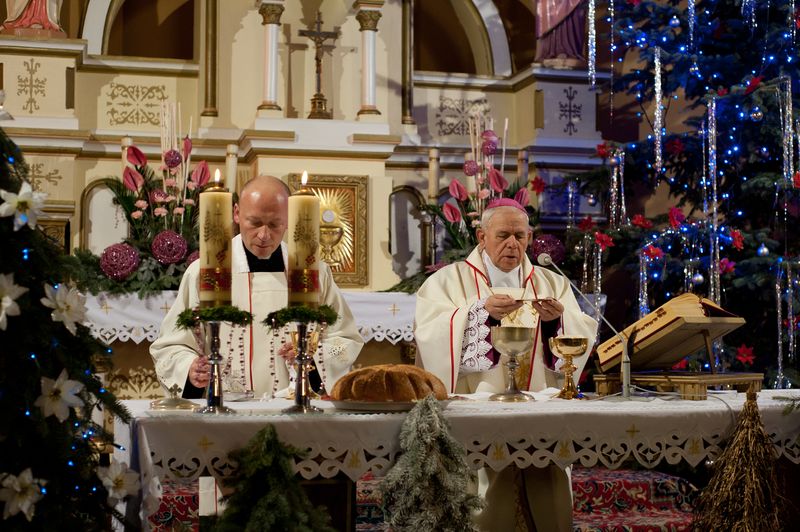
{"points": [[380, 316], [185, 446]]}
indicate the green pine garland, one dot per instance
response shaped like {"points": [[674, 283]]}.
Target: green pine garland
{"points": [[267, 495], [227, 313], [428, 487], [301, 314]]}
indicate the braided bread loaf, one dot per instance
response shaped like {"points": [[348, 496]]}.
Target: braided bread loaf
{"points": [[388, 382]]}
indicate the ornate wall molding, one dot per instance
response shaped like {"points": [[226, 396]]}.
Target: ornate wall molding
{"points": [[135, 104]]}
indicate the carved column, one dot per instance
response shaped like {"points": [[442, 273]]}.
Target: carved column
{"points": [[210, 62], [408, 62], [368, 19], [271, 20]]}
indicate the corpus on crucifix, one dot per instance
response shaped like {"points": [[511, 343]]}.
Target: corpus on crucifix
{"points": [[319, 105]]}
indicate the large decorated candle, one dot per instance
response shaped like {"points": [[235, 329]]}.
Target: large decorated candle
{"points": [[216, 231], [303, 244]]}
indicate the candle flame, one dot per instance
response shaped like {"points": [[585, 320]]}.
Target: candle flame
{"points": [[217, 177], [304, 179]]}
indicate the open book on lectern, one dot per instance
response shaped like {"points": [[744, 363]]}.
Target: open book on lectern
{"points": [[676, 329]]}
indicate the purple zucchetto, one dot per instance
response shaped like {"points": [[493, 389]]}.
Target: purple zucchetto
{"points": [[505, 202]]}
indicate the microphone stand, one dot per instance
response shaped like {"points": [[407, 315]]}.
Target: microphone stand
{"points": [[544, 259]]}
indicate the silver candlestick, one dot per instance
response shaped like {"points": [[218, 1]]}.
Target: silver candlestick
{"points": [[214, 400]]}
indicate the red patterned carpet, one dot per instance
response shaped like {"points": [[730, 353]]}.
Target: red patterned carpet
{"points": [[605, 501]]}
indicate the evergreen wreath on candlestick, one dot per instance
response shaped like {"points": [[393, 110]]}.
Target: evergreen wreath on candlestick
{"points": [[191, 317], [428, 487], [50, 472], [300, 314], [743, 492], [267, 495]]}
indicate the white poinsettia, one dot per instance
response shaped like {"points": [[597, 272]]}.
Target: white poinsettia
{"points": [[118, 480], [26, 205], [59, 395], [21, 493], [8, 293], [69, 305]]}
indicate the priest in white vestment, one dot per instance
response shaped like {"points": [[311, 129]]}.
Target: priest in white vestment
{"points": [[456, 307], [254, 361]]}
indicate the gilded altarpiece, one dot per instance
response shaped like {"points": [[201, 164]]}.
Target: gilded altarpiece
{"points": [[343, 224]]}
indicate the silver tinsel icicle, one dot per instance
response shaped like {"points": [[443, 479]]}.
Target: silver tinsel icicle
{"points": [[658, 112], [644, 308], [592, 45]]}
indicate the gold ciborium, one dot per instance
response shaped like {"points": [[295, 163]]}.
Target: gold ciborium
{"points": [[512, 342], [329, 236], [565, 348]]}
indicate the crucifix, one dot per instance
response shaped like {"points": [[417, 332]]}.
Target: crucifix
{"points": [[318, 103]]}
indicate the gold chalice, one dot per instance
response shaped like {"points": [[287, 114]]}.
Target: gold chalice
{"points": [[312, 344], [512, 342], [565, 348], [329, 236]]}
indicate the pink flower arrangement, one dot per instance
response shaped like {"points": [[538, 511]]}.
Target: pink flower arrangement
{"points": [[484, 182]]}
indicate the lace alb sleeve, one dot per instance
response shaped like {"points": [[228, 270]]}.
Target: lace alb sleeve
{"points": [[474, 346]]}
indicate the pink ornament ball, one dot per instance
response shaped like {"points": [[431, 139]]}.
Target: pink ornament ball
{"points": [[168, 247], [470, 168], [193, 256], [548, 244], [119, 261], [172, 158]]}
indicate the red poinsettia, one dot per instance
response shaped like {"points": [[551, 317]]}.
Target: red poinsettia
{"points": [[634, 2], [737, 239], [744, 354], [682, 364], [674, 147], [676, 217], [603, 240], [726, 266], [538, 185], [753, 84], [722, 91], [603, 150], [641, 221], [586, 224], [796, 179], [653, 252]]}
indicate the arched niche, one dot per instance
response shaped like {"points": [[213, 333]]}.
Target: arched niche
{"points": [[163, 29]]}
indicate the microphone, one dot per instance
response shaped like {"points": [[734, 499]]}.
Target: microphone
{"points": [[545, 259]]}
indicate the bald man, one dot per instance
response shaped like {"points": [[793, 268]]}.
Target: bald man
{"points": [[254, 361]]}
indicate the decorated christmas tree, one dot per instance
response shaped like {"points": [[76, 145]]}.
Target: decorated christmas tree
{"points": [[730, 67], [51, 477]]}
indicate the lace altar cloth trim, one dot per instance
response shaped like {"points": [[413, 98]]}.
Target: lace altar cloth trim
{"points": [[380, 316], [495, 435]]}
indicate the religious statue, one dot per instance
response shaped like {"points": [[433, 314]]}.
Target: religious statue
{"points": [[33, 18], [560, 32]]}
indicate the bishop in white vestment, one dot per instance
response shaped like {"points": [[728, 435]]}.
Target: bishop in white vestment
{"points": [[456, 307]]}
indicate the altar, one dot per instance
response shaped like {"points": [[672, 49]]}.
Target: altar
{"points": [[183, 447]]}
